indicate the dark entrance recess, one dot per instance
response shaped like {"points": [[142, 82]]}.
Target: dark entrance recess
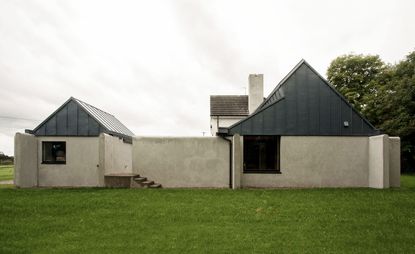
{"points": [[261, 154]]}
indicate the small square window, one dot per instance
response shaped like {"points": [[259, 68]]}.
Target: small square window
{"points": [[53, 152]]}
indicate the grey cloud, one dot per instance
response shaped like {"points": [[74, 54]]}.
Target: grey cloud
{"points": [[212, 47], [154, 64]]}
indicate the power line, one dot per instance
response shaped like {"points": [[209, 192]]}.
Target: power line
{"points": [[18, 118]]}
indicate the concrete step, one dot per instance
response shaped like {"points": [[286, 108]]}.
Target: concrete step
{"points": [[140, 179], [122, 175], [147, 183], [122, 180], [155, 185]]}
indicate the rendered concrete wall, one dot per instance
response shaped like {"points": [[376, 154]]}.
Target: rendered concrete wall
{"points": [[205, 162], [201, 162], [237, 162], [317, 161], [379, 161], [82, 164], [25, 163], [394, 162], [224, 121], [115, 155]]}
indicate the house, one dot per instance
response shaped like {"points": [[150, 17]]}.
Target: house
{"points": [[304, 134], [226, 110], [78, 145]]}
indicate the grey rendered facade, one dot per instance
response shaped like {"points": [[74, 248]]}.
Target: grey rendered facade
{"points": [[304, 134], [93, 144]]}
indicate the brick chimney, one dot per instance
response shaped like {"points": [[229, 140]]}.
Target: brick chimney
{"points": [[255, 91]]}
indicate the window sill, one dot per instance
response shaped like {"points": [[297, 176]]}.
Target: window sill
{"points": [[55, 162], [262, 172]]}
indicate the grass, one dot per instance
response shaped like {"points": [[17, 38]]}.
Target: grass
{"points": [[6, 172], [408, 181], [208, 221]]}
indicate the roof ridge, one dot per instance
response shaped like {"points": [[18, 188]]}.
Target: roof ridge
{"points": [[91, 106], [108, 122], [282, 81], [119, 128], [342, 97]]}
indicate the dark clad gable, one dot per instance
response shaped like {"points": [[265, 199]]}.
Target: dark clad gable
{"points": [[304, 104], [69, 120], [77, 118]]}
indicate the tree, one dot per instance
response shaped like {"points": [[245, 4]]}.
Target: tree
{"points": [[393, 107], [384, 94], [355, 76], [6, 160]]}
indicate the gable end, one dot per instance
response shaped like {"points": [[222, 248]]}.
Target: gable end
{"points": [[304, 103]]}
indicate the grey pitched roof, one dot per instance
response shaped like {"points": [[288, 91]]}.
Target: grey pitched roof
{"points": [[110, 122], [229, 105], [78, 118]]}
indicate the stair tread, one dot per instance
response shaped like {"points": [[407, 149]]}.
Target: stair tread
{"points": [[155, 185], [123, 174], [140, 178], [148, 182]]}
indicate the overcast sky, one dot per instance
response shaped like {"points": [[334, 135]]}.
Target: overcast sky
{"points": [[153, 64]]}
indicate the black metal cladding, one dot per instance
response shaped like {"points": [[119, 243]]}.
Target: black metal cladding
{"points": [[304, 104], [70, 120], [73, 118]]}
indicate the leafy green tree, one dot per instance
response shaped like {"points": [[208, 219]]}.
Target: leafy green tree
{"points": [[355, 76], [393, 107], [385, 94]]}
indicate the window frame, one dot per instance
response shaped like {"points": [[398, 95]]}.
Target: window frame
{"points": [[55, 162], [277, 169]]}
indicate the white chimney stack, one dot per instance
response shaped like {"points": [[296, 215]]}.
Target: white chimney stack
{"points": [[255, 91]]}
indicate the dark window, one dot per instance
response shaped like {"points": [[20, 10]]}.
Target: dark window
{"points": [[53, 152], [261, 154]]}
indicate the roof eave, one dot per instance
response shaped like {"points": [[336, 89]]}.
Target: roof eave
{"points": [[222, 131], [245, 115], [126, 138]]}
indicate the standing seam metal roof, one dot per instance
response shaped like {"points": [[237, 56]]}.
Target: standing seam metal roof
{"points": [[106, 122], [109, 121]]}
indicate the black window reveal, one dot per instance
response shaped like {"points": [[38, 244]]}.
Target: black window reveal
{"points": [[261, 154], [53, 152]]}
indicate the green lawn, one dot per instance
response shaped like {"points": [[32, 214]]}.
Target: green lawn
{"points": [[208, 221], [408, 181], [6, 172]]}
